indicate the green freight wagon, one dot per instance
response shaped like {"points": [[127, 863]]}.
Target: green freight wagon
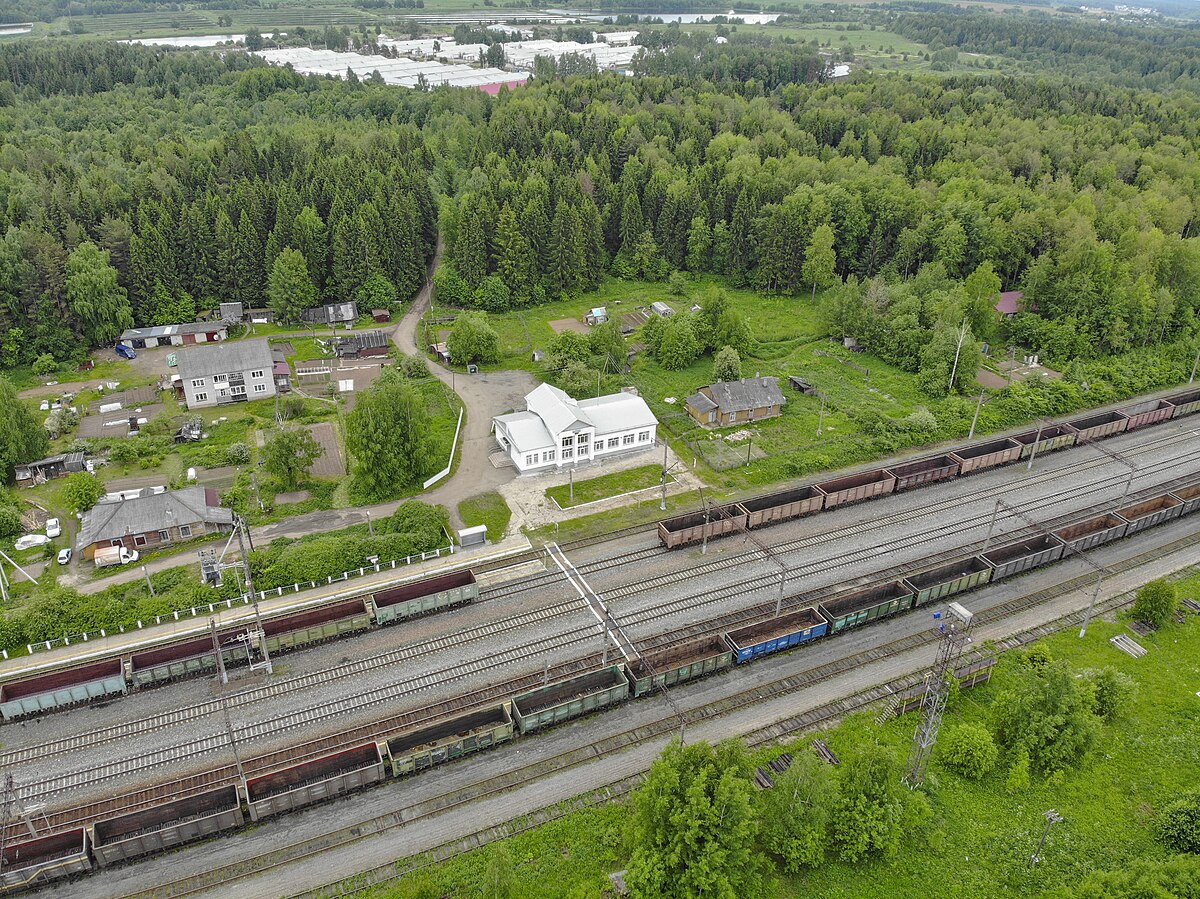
{"points": [[681, 663], [431, 595], [861, 606], [946, 580], [443, 741], [571, 698], [324, 623]]}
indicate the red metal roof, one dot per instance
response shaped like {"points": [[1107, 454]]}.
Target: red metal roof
{"points": [[1007, 304]]}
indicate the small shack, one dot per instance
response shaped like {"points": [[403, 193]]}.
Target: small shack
{"points": [[597, 316], [231, 313], [364, 343], [381, 315], [33, 473], [661, 309], [441, 351], [801, 385]]}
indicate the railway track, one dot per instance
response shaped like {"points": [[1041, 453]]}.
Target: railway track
{"points": [[513, 778], [49, 787]]}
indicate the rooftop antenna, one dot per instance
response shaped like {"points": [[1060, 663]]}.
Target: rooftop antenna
{"points": [[955, 633]]}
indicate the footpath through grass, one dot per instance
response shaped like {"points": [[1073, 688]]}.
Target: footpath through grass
{"points": [[487, 508], [981, 837], [607, 485]]}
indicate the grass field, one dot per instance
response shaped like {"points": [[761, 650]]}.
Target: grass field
{"points": [[607, 485], [489, 509], [981, 836]]}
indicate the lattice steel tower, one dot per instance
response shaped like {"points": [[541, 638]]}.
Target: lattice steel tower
{"points": [[955, 628]]}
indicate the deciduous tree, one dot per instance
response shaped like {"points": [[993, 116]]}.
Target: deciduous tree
{"points": [[727, 365], [796, 813], [387, 434], [1155, 603], [22, 437], [871, 807], [101, 303], [472, 339], [820, 260], [968, 749], [82, 490], [1048, 714], [289, 455]]}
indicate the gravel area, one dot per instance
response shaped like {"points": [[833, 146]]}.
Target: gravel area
{"points": [[947, 510]]}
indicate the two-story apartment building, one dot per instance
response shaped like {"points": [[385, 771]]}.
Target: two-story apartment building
{"points": [[231, 372], [556, 431]]}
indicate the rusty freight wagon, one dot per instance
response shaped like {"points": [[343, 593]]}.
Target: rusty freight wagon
{"points": [[764, 510], [862, 606], [857, 487], [680, 663], [430, 595], [776, 634], [423, 747], [947, 580], [1148, 413], [43, 859], [923, 471], [987, 455], [1095, 531], [165, 826], [179, 660], [547, 706], [1189, 496], [698, 526], [314, 625], [331, 775], [1045, 440], [1185, 403], [1014, 558], [1150, 512], [1097, 427]]}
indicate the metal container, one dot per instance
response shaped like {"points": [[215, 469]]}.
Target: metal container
{"points": [[164, 826], [857, 487], [61, 688], [1097, 427], [682, 663], [173, 662], [430, 595], [571, 698], [862, 606], [1148, 413], [685, 529], [776, 634], [444, 741], [923, 471], [1023, 555], [45, 858], [1189, 496], [1083, 535], [323, 778], [1045, 440], [1185, 403], [764, 510], [947, 580], [313, 626], [987, 455], [1150, 512]]}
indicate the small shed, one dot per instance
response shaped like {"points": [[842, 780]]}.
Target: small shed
{"points": [[231, 312], [539, 355], [661, 308], [31, 474], [440, 350], [381, 315], [476, 536], [801, 385], [1009, 303], [597, 316]]}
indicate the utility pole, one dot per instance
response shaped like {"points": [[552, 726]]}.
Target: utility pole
{"points": [[1052, 818], [821, 416], [149, 586], [1037, 440], [221, 672], [259, 636], [1195, 362], [6, 803], [962, 336], [237, 758], [975, 420], [370, 527], [4, 578], [749, 446], [572, 483], [662, 505], [955, 631]]}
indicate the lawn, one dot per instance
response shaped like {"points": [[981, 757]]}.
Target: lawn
{"points": [[607, 485], [489, 509], [981, 836]]}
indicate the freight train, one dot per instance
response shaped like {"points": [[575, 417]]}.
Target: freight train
{"points": [[796, 502], [218, 809]]}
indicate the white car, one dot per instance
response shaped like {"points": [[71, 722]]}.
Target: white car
{"points": [[64, 556], [29, 541], [53, 527]]}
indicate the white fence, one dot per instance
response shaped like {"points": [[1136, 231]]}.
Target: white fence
{"points": [[450, 464]]}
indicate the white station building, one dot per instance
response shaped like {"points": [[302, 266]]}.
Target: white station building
{"points": [[557, 431]]}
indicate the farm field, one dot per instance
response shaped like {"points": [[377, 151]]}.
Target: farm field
{"points": [[1107, 801]]}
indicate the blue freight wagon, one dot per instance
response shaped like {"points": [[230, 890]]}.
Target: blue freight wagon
{"points": [[776, 634]]}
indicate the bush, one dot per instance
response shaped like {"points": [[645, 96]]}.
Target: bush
{"points": [[413, 366], [44, 364], [1113, 692], [237, 454], [10, 521], [1155, 603], [969, 750], [1177, 826]]}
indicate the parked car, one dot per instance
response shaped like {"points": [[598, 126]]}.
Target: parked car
{"points": [[53, 527], [29, 541], [64, 556]]}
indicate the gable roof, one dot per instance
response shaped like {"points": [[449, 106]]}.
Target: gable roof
{"points": [[552, 412], [746, 394], [169, 330], [556, 409], [1008, 302], [158, 511], [217, 359]]}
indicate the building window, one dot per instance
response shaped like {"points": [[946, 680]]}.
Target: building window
{"points": [[218, 378], [164, 535], [712, 417], [531, 459], [597, 447], [185, 530], [197, 382], [614, 442], [139, 539], [201, 397], [260, 388], [222, 392], [256, 374], [568, 453], [643, 436], [627, 439], [568, 441], [548, 456]]}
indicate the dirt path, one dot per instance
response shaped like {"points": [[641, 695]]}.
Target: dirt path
{"points": [[484, 395]]}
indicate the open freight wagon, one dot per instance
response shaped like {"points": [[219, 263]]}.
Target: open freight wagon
{"points": [[427, 745], [430, 595]]}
